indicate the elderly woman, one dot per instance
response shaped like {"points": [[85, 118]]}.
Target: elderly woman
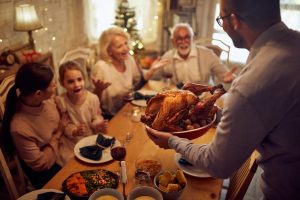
{"points": [[117, 69]]}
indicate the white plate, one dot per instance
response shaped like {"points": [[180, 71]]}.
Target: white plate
{"points": [[91, 140], [189, 169], [143, 102], [33, 194], [140, 102]]}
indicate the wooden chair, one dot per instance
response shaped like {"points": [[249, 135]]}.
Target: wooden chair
{"points": [[8, 179], [85, 57], [241, 179], [216, 45]]}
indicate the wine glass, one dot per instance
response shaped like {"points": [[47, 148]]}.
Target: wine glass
{"points": [[118, 151], [127, 98], [167, 79]]}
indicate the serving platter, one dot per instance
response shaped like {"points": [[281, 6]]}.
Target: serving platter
{"points": [[81, 185]]}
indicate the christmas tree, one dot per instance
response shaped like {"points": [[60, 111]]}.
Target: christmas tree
{"points": [[125, 18]]}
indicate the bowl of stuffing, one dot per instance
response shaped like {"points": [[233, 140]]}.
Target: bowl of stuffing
{"points": [[170, 183]]}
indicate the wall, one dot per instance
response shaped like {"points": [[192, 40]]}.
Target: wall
{"points": [[63, 26]]}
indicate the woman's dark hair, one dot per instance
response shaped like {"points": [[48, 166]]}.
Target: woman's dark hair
{"points": [[29, 78]]}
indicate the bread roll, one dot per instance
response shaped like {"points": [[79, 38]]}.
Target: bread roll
{"points": [[180, 177]]}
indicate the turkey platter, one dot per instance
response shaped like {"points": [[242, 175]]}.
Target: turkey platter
{"points": [[182, 110]]}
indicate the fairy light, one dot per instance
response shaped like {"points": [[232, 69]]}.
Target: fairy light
{"points": [[53, 38], [46, 28], [50, 19], [1, 40]]}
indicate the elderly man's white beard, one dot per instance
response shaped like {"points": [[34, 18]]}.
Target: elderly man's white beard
{"points": [[184, 51]]}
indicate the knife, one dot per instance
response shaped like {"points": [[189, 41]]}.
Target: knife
{"points": [[123, 177]]}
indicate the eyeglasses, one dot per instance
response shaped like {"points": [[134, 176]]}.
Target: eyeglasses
{"points": [[184, 38], [220, 19]]}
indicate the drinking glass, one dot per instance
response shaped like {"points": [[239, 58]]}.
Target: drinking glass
{"points": [[118, 151], [168, 80]]}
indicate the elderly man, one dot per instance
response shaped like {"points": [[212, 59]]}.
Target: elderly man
{"points": [[262, 109], [190, 63]]}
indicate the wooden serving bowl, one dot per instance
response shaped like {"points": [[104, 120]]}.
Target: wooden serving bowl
{"points": [[190, 134]]}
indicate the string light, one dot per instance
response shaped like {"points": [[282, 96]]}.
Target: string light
{"points": [[53, 38]]}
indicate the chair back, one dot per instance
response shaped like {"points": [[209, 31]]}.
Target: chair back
{"points": [[84, 57], [8, 179], [216, 45], [241, 179]]}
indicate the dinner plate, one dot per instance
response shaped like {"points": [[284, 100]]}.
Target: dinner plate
{"points": [[91, 140], [143, 102], [33, 194], [189, 169]]}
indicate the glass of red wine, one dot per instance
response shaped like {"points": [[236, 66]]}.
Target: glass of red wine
{"points": [[118, 151]]}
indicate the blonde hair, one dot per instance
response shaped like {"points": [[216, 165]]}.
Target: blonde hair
{"points": [[182, 25], [105, 41]]}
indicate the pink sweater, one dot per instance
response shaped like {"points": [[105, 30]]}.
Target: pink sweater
{"points": [[32, 131]]}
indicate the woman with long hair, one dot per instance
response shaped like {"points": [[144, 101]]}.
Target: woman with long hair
{"points": [[31, 123]]}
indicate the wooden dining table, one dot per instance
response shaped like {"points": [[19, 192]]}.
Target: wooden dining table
{"points": [[140, 146]]}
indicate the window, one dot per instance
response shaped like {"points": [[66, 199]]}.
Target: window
{"points": [[100, 14], [290, 13], [236, 55]]}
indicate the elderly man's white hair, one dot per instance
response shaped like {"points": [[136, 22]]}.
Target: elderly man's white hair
{"points": [[182, 25]]}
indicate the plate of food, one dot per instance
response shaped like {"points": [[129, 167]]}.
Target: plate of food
{"points": [[141, 97], [189, 169], [45, 194], [91, 141], [81, 185]]}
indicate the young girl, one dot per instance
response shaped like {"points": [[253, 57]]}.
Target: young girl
{"points": [[31, 122], [82, 106]]}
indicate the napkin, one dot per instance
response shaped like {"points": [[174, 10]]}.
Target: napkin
{"points": [[103, 141], [51, 196], [139, 96], [93, 152]]}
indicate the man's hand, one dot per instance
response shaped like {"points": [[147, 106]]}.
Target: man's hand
{"points": [[159, 138]]}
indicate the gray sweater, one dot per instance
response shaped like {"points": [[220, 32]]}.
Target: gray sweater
{"points": [[262, 112]]}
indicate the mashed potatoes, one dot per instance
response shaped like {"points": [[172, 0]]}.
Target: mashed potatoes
{"points": [[144, 198], [107, 197]]}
